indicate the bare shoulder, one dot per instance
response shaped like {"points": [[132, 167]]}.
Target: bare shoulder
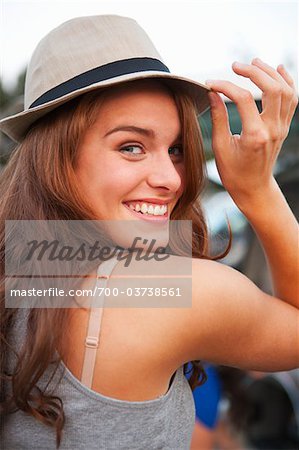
{"points": [[213, 277], [233, 322], [226, 319]]}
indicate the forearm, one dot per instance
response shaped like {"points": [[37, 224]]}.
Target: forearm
{"points": [[277, 229]]}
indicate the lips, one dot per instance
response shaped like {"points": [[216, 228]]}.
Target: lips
{"points": [[156, 201]]}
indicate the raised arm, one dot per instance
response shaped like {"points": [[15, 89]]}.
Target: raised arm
{"points": [[278, 232], [245, 165], [232, 322]]}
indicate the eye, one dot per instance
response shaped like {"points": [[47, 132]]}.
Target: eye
{"points": [[176, 150], [133, 150]]}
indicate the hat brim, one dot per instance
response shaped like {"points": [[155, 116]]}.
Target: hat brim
{"points": [[17, 125]]}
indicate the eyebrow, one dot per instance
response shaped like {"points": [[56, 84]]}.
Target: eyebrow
{"points": [[132, 128]]}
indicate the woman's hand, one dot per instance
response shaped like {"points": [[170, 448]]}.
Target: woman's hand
{"points": [[245, 162]]}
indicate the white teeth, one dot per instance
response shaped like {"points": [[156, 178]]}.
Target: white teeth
{"points": [[156, 210], [144, 208]]}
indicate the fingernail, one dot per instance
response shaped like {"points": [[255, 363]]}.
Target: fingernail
{"points": [[209, 82], [258, 60], [239, 65]]}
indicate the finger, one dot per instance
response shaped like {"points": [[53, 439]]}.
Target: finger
{"points": [[289, 80], [270, 87], [250, 117], [286, 76], [287, 84], [292, 109], [221, 133], [268, 69]]}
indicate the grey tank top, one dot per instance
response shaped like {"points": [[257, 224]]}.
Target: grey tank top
{"points": [[97, 422]]}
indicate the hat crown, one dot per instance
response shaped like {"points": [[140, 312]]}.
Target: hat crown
{"points": [[83, 44], [87, 54]]}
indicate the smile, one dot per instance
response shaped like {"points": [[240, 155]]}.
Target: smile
{"points": [[148, 211]]}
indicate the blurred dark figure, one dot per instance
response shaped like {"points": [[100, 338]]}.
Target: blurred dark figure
{"points": [[263, 408]]}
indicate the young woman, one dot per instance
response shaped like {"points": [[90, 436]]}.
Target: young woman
{"points": [[106, 128]]}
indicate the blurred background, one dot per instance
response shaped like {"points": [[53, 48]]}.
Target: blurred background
{"points": [[199, 39]]}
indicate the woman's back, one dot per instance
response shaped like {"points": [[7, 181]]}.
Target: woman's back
{"points": [[136, 372]]}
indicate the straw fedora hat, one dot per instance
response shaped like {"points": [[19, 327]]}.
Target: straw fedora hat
{"points": [[88, 53]]}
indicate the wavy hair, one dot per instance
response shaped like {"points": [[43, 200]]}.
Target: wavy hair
{"points": [[39, 183]]}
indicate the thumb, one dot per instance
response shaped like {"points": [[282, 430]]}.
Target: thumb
{"points": [[220, 121]]}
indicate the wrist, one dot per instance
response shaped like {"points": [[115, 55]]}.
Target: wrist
{"points": [[256, 203]]}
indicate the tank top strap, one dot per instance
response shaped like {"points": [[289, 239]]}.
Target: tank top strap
{"points": [[95, 318]]}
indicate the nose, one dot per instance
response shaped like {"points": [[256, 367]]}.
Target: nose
{"points": [[163, 173]]}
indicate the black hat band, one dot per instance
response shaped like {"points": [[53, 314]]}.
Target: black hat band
{"points": [[98, 74]]}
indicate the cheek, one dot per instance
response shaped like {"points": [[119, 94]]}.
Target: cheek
{"points": [[118, 182], [105, 175], [122, 178]]}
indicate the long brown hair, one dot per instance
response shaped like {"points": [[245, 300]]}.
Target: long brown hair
{"points": [[39, 183]]}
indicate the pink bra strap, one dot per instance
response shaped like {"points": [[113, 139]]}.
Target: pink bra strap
{"points": [[94, 325]]}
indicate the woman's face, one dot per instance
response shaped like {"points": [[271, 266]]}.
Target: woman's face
{"points": [[130, 162]]}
